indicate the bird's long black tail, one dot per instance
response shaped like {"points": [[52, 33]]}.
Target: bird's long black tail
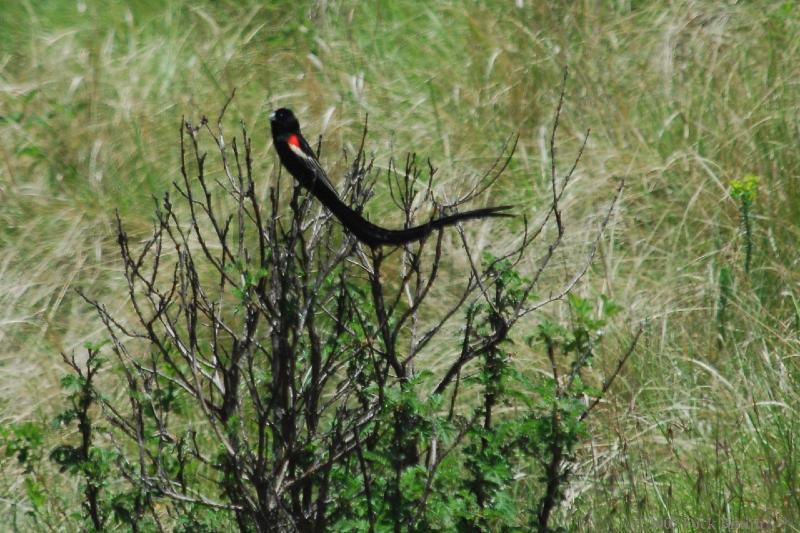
{"points": [[373, 235]]}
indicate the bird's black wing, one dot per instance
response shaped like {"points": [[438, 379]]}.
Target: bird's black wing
{"points": [[306, 154]]}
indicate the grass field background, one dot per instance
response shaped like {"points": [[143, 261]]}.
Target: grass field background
{"points": [[682, 98]]}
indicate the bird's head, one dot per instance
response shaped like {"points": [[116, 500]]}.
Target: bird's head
{"points": [[283, 121]]}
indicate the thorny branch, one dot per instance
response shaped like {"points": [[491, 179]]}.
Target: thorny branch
{"points": [[290, 337]]}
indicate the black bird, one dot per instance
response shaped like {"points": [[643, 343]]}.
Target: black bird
{"points": [[302, 163]]}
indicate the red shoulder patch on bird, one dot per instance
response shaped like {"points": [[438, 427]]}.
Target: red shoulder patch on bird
{"points": [[294, 140]]}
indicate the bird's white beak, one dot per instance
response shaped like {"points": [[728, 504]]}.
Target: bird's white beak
{"points": [[272, 116]]}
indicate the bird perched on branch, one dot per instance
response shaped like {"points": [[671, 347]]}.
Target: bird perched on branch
{"points": [[302, 163]]}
